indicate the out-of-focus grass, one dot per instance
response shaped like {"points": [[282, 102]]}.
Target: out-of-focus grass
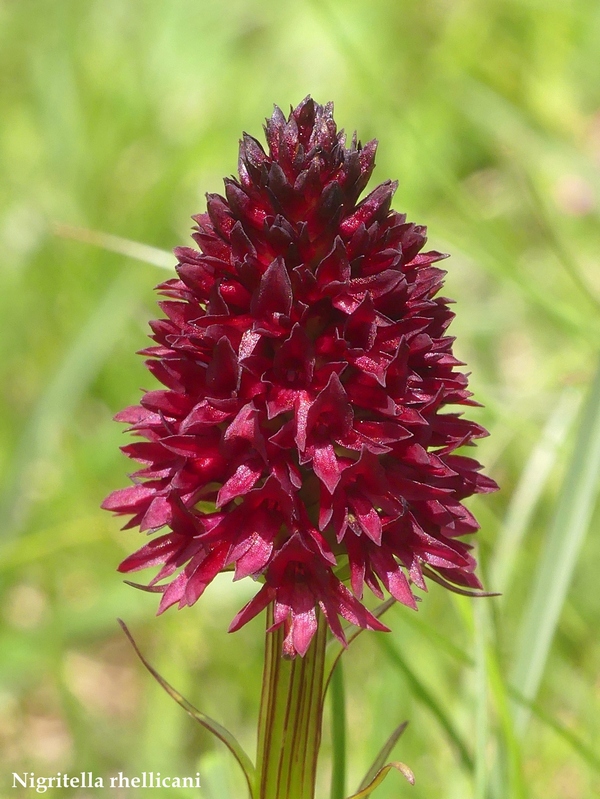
{"points": [[117, 117]]}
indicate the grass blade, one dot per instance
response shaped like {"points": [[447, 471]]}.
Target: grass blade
{"points": [[379, 778], [507, 776], [438, 641], [481, 701], [383, 755], [583, 750], [529, 489], [339, 649], [78, 368], [210, 724], [425, 697], [565, 539], [106, 241]]}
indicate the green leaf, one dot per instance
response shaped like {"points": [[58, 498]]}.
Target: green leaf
{"points": [[77, 369], [210, 724], [426, 698], [106, 241], [384, 753], [559, 558], [498, 769], [380, 776], [583, 750], [509, 779], [338, 649], [481, 701], [529, 489], [438, 641]]}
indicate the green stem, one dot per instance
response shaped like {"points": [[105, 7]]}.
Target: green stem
{"points": [[338, 732], [289, 729]]}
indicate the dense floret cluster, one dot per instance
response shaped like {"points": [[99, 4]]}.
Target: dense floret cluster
{"points": [[305, 366]]}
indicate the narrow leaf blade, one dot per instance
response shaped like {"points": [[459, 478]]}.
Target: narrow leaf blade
{"points": [[586, 752], [106, 241], [562, 548], [422, 693], [384, 753], [381, 775], [339, 649], [529, 489], [210, 724]]}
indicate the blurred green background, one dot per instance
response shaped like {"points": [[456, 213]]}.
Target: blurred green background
{"points": [[117, 116]]}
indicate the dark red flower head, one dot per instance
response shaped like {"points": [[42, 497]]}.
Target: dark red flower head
{"points": [[305, 366]]}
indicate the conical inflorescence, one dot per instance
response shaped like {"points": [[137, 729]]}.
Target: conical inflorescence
{"points": [[301, 429]]}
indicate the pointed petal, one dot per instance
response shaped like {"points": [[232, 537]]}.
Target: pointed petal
{"points": [[326, 466], [274, 294], [241, 481], [258, 603]]}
